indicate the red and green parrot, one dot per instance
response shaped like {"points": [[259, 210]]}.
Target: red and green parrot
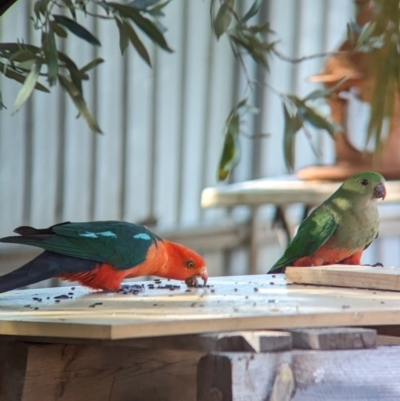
{"points": [[100, 255], [341, 228]]}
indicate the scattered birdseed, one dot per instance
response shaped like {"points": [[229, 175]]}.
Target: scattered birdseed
{"points": [[57, 300], [27, 306], [255, 289], [345, 306], [37, 299], [131, 289], [170, 287], [192, 305], [272, 283], [235, 289], [36, 308], [72, 288], [154, 304], [70, 293], [61, 297], [188, 290], [212, 290], [47, 297]]}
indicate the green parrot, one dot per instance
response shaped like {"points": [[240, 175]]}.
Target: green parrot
{"points": [[341, 228]]}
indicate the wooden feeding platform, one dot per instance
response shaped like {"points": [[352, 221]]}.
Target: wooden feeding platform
{"points": [[240, 338]]}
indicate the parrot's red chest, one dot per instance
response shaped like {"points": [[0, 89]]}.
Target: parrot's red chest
{"points": [[103, 277], [328, 255]]}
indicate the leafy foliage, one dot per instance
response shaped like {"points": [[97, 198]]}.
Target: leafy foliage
{"points": [[243, 37], [24, 62]]}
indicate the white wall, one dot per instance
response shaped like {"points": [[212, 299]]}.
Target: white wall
{"points": [[162, 126]]}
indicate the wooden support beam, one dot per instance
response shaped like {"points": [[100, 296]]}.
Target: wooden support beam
{"points": [[374, 278], [331, 338], [355, 375], [49, 372]]}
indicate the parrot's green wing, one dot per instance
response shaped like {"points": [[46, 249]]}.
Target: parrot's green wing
{"points": [[313, 232], [121, 244]]}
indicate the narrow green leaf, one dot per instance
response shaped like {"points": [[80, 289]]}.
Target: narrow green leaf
{"points": [[27, 87], [53, 57], [156, 11], [123, 37], [312, 116], [290, 106], [143, 4], [326, 92], [22, 55], [254, 9], [143, 23], [71, 7], [79, 102], [8, 49], [76, 75], [2, 105], [136, 42], [231, 151], [43, 7], [36, 9], [76, 29], [92, 64], [350, 33], [58, 30], [366, 33], [19, 78], [223, 18], [292, 126]]}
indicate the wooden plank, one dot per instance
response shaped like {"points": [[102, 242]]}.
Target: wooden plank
{"points": [[354, 375], [259, 341], [374, 278], [333, 338], [253, 341], [80, 373], [238, 303]]}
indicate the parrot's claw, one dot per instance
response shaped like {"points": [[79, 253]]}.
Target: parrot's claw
{"points": [[378, 264]]}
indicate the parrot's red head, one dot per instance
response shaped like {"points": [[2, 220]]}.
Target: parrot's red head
{"points": [[183, 263]]}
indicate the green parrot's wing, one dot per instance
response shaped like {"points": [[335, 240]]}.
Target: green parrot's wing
{"points": [[313, 232], [121, 244]]}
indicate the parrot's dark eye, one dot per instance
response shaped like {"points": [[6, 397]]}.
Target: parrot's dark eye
{"points": [[364, 182], [190, 264]]}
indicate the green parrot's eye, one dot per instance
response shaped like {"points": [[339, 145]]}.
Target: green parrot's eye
{"points": [[190, 264], [364, 182]]}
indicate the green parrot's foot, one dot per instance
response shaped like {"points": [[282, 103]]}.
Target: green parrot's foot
{"points": [[378, 264]]}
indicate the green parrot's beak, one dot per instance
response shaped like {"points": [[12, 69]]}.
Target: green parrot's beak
{"points": [[380, 191]]}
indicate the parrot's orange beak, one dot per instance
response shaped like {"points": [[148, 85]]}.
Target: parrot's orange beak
{"points": [[380, 191], [204, 276]]}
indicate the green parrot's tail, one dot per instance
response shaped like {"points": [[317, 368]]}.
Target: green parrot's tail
{"points": [[277, 269]]}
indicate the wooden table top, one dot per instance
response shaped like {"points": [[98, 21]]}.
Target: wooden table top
{"points": [[229, 304], [280, 191]]}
